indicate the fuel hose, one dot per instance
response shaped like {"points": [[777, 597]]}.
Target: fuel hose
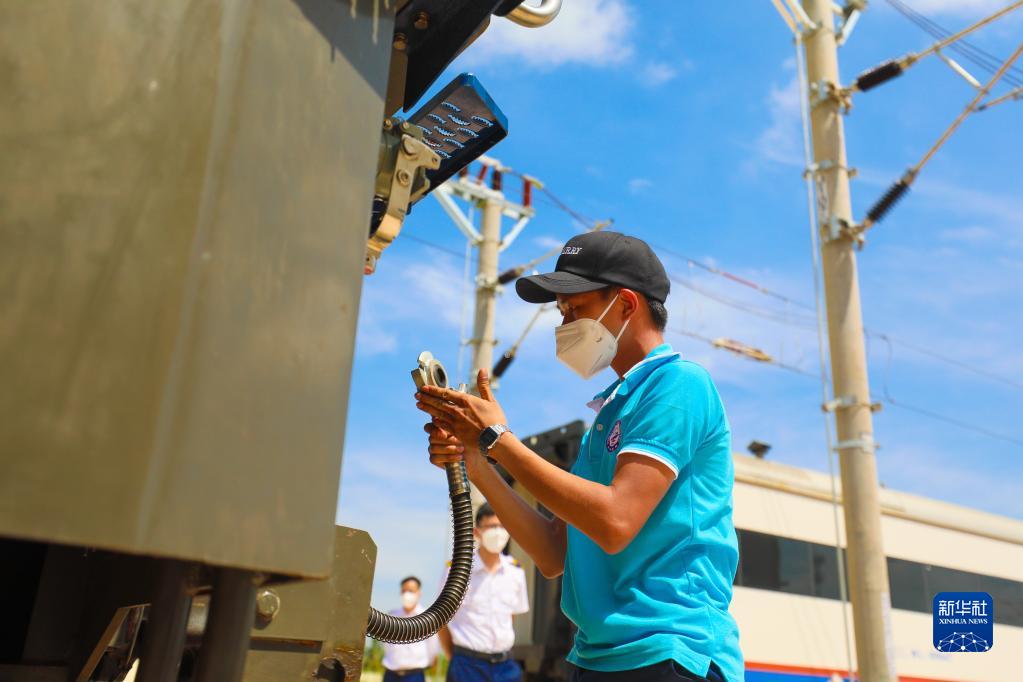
{"points": [[400, 630], [384, 627]]}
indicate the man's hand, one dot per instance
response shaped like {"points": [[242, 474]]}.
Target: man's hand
{"points": [[458, 419], [445, 448]]}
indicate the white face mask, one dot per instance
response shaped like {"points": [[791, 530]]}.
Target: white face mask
{"points": [[409, 599], [586, 346], [494, 539]]}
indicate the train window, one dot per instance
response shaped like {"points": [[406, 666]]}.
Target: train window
{"points": [[941, 579], [784, 564], [908, 589], [795, 568], [758, 556], [825, 571], [769, 562], [1008, 596], [773, 563]]}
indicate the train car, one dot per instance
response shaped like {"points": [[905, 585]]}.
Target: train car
{"points": [[788, 600]]}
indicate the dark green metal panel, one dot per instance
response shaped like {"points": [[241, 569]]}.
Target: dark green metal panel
{"points": [[318, 620], [184, 193]]}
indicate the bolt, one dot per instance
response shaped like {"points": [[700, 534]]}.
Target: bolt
{"points": [[404, 178], [405, 126], [388, 124], [267, 604], [400, 42], [422, 21]]}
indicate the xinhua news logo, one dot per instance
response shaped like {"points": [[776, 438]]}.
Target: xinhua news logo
{"points": [[964, 622]]}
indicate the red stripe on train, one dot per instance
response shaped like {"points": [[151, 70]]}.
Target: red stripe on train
{"points": [[803, 670]]}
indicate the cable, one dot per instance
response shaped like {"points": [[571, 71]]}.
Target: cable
{"points": [[734, 278], [953, 421], [968, 50], [773, 315], [978, 56], [716, 344], [432, 245], [887, 399], [1011, 96], [947, 360], [509, 355], [901, 186], [463, 323], [801, 322], [512, 274], [813, 186], [790, 319]]}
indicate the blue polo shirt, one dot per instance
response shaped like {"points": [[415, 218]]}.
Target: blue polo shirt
{"points": [[666, 595]]}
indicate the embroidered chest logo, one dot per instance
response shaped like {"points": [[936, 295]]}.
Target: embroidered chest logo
{"points": [[614, 439]]}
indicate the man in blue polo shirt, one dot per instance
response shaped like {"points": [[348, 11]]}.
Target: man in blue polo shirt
{"points": [[642, 526]]}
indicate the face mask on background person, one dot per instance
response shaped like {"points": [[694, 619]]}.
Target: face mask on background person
{"points": [[409, 599], [494, 539], [586, 346]]}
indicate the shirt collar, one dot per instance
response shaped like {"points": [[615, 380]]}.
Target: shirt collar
{"points": [[635, 376], [478, 565]]}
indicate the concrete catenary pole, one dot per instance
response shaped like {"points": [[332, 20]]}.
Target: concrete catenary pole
{"points": [[486, 280], [483, 341], [868, 573]]}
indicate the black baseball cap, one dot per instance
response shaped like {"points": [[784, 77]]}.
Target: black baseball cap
{"points": [[595, 260]]}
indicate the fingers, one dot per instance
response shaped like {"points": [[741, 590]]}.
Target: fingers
{"points": [[440, 434], [445, 394], [452, 451], [435, 405], [438, 414], [483, 383]]}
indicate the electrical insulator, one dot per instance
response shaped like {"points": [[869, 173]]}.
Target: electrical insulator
{"points": [[503, 364]]}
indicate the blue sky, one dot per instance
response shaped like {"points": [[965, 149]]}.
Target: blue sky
{"points": [[680, 120]]}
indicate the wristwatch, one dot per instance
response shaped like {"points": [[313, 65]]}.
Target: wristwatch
{"points": [[488, 439]]}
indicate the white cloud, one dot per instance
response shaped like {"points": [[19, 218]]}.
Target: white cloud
{"points": [[781, 142], [639, 185], [592, 32], [656, 74], [548, 242], [973, 234], [405, 292]]}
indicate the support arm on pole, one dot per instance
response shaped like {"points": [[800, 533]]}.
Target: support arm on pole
{"points": [[443, 196], [507, 240]]}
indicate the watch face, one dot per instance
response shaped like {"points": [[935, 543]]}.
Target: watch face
{"points": [[488, 437]]}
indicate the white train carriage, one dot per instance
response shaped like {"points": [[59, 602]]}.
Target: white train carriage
{"points": [[787, 599]]}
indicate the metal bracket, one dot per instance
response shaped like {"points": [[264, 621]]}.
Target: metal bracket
{"points": [[483, 282], [816, 169], [823, 91], [866, 444], [848, 401], [835, 228], [408, 181]]}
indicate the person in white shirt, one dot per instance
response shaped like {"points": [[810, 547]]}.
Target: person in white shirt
{"points": [[478, 640], [408, 662]]}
